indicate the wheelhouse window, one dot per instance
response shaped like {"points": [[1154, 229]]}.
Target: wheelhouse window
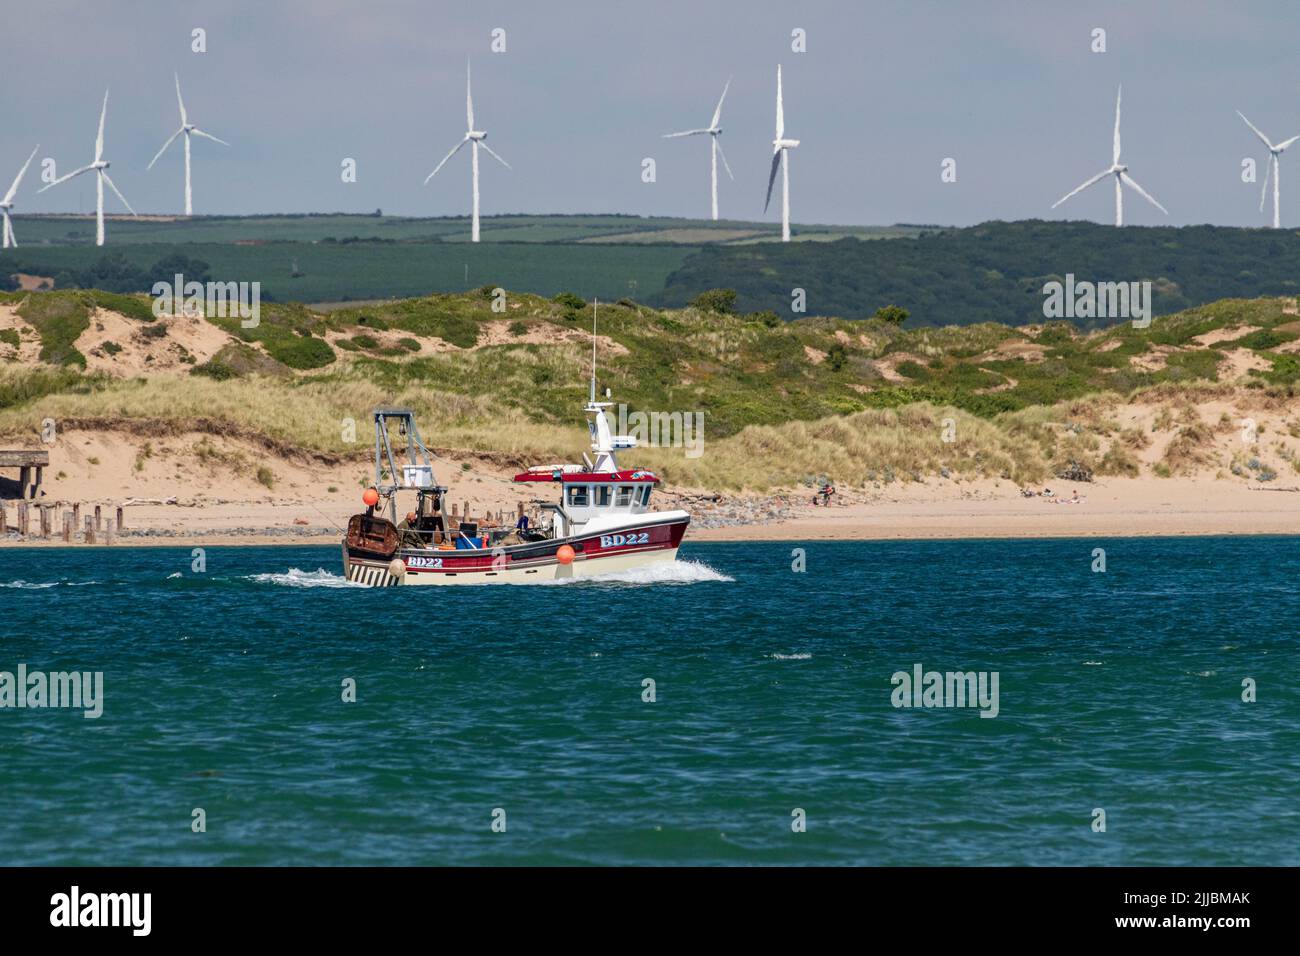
{"points": [[643, 496], [623, 499], [579, 496], [602, 493]]}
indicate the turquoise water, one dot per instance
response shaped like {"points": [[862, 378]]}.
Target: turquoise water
{"points": [[222, 690]]}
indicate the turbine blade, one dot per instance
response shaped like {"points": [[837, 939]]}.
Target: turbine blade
{"points": [[1078, 189], [118, 192], [454, 150], [1268, 169], [1255, 129], [1132, 184], [780, 109], [484, 144], [717, 113], [469, 100], [688, 132], [99, 140], [65, 178], [1285, 143], [180, 101], [1118, 99], [9, 231], [199, 132], [725, 164], [170, 140], [19, 178], [771, 177]]}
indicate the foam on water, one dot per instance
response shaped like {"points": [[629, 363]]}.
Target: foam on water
{"points": [[30, 585], [297, 578], [668, 572]]}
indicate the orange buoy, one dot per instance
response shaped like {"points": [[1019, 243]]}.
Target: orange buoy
{"points": [[370, 497], [565, 554]]}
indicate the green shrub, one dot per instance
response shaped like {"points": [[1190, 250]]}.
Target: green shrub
{"points": [[893, 314], [722, 301], [301, 353], [571, 302]]}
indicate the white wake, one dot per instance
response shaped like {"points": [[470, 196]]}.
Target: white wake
{"points": [[296, 578], [668, 572]]}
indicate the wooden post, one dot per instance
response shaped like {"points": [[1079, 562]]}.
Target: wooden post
{"points": [[46, 521], [121, 525], [24, 480], [76, 514], [98, 519], [4, 519], [453, 509], [90, 530], [67, 527], [108, 533], [22, 518]]}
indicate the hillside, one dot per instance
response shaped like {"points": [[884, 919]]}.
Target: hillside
{"points": [[995, 272], [863, 401]]}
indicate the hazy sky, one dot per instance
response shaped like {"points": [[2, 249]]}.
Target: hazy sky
{"points": [[885, 91]]}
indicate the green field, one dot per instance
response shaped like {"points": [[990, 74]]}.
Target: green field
{"points": [[332, 271], [332, 258], [79, 230]]}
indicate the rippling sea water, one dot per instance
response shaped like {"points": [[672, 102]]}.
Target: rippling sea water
{"points": [[1119, 690]]}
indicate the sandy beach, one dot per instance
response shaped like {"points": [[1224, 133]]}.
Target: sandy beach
{"points": [[935, 509]]}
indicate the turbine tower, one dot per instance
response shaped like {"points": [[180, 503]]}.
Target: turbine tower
{"points": [[714, 131], [7, 203], [1122, 178], [189, 129], [781, 157], [476, 139], [1274, 167], [100, 166]]}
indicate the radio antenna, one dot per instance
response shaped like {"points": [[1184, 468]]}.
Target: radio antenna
{"points": [[595, 303]]}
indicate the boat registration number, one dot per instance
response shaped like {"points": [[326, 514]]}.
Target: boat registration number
{"points": [[419, 562], [620, 540]]}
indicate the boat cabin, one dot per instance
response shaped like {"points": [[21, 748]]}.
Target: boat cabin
{"points": [[588, 495]]}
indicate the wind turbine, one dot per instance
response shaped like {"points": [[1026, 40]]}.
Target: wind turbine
{"points": [[781, 151], [476, 138], [715, 147], [1120, 172], [100, 166], [7, 203], [188, 129], [1274, 167]]}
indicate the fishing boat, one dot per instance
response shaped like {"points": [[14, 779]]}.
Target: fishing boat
{"points": [[602, 521]]}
